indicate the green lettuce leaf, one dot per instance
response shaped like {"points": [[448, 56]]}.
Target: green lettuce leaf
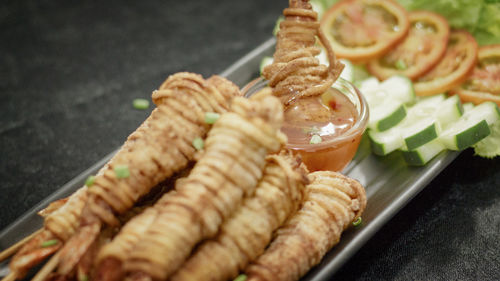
{"points": [[479, 17]]}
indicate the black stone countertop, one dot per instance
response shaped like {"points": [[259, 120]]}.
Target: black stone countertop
{"points": [[69, 71]]}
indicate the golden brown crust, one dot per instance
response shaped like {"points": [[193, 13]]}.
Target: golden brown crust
{"points": [[295, 72], [331, 203], [229, 169], [247, 232]]}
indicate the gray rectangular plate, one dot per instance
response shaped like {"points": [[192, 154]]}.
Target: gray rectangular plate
{"points": [[390, 184]]}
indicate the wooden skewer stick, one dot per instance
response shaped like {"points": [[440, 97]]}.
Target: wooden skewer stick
{"points": [[47, 268], [14, 248]]}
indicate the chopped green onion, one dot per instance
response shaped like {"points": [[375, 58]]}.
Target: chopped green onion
{"points": [[357, 222], [90, 181], [211, 117], [198, 143], [49, 243], [140, 103], [241, 277], [83, 277], [121, 171], [401, 65], [315, 139]]}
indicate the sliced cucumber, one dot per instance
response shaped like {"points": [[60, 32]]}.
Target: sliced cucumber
{"points": [[265, 62], [318, 6], [387, 100], [472, 127], [423, 154], [385, 117], [399, 87], [423, 124]]}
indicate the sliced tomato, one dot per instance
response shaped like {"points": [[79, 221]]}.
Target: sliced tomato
{"points": [[453, 68], [361, 30], [484, 82], [421, 49]]}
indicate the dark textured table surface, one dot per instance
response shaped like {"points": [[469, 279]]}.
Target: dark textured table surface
{"points": [[68, 74]]}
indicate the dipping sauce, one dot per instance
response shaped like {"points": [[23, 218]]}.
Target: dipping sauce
{"points": [[331, 116], [338, 117]]}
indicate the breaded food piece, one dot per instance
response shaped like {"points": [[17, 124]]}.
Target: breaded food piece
{"points": [[160, 147], [244, 235], [295, 72], [229, 169], [332, 203]]}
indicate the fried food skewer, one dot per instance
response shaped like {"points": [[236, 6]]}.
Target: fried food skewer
{"points": [[295, 72], [161, 146], [248, 231], [230, 168], [332, 203]]}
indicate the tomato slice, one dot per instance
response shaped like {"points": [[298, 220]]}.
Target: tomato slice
{"points": [[361, 30], [453, 68], [484, 82], [422, 48]]}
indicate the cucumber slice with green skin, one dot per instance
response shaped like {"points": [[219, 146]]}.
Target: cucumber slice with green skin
{"points": [[449, 111], [265, 62], [423, 124], [472, 127], [385, 117], [420, 133], [399, 87], [423, 154], [411, 134], [387, 100]]}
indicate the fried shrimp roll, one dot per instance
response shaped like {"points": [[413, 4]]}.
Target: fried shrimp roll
{"points": [[248, 231], [295, 71], [161, 146], [332, 202], [230, 168]]}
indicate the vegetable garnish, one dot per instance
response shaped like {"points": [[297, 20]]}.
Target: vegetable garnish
{"points": [[315, 139], [49, 243], [122, 171], [141, 103], [453, 69], [400, 65], [211, 117], [83, 277], [360, 30], [357, 222], [483, 83], [241, 277], [90, 181], [421, 49], [198, 143]]}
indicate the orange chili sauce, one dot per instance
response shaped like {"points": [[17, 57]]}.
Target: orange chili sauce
{"points": [[329, 116]]}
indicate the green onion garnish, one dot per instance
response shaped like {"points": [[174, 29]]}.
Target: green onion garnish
{"points": [[83, 277], [140, 103], [121, 171], [211, 117], [241, 277], [49, 243], [357, 222], [198, 143], [401, 65], [90, 181], [315, 139]]}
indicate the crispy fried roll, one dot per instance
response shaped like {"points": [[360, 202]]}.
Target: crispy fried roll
{"points": [[248, 231], [161, 146], [295, 72], [229, 169], [332, 202], [163, 143]]}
